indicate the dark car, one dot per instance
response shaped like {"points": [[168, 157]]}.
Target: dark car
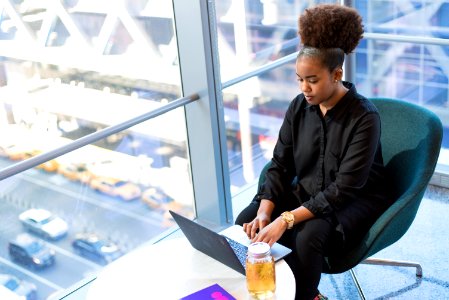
{"points": [[31, 252], [22, 288], [95, 248]]}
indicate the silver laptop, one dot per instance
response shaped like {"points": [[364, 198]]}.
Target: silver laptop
{"points": [[228, 247]]}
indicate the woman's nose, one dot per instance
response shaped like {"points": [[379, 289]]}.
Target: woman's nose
{"points": [[304, 86]]}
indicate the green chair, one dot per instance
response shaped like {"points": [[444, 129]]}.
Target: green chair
{"points": [[411, 139]]}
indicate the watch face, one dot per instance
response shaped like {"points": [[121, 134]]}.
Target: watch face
{"points": [[289, 218]]}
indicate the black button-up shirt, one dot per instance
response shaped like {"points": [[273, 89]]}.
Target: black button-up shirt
{"points": [[336, 159]]}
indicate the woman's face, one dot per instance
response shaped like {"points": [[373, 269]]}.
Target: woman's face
{"points": [[318, 85]]}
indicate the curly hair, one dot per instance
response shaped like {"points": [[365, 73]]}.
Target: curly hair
{"points": [[331, 26]]}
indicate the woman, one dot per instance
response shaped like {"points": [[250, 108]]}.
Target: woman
{"points": [[325, 186]]}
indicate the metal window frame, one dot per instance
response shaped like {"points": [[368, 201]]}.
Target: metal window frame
{"points": [[206, 133]]}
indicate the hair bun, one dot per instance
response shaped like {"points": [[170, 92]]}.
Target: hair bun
{"points": [[331, 26]]}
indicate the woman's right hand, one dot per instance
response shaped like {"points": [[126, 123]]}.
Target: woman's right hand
{"points": [[262, 219]]}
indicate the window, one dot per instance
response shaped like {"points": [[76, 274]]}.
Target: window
{"points": [[413, 68], [70, 69]]}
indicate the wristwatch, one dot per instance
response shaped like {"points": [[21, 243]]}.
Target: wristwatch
{"points": [[289, 218]]}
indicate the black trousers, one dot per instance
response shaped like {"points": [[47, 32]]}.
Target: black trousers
{"points": [[310, 241]]}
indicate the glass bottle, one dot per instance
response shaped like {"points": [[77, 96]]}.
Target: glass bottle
{"points": [[260, 271]]}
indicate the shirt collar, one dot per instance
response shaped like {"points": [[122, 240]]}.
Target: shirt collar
{"points": [[345, 100]]}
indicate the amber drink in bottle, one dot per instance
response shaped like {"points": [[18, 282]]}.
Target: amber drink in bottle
{"points": [[260, 271]]}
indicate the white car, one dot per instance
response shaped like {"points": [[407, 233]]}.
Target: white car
{"points": [[12, 287], [43, 223]]}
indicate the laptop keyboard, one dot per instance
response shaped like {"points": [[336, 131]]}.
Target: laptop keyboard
{"points": [[240, 250]]}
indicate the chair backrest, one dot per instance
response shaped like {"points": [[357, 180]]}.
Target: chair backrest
{"points": [[411, 140]]}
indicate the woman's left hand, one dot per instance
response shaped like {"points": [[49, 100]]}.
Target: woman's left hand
{"points": [[272, 232]]}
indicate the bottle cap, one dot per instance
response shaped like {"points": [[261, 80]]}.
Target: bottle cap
{"points": [[259, 249]]}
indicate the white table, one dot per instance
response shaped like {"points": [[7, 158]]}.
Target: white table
{"points": [[172, 269]]}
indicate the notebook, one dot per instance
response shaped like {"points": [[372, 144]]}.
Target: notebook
{"points": [[213, 292], [229, 248]]}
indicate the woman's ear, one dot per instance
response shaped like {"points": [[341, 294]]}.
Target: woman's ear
{"points": [[338, 74]]}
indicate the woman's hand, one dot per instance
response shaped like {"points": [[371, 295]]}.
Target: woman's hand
{"points": [[252, 228], [272, 232], [262, 219]]}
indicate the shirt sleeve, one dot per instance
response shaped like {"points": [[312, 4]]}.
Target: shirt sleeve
{"points": [[354, 170]]}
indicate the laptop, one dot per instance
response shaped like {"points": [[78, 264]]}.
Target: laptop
{"points": [[229, 247]]}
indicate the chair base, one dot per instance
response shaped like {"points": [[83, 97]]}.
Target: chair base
{"points": [[396, 263], [384, 262]]}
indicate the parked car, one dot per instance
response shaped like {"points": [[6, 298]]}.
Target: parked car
{"points": [[43, 223], [49, 166], [21, 288], [116, 187], [31, 251], [155, 198], [21, 152], [75, 172], [95, 248]]}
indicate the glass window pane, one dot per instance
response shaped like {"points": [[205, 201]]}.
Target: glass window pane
{"points": [[69, 69]]}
